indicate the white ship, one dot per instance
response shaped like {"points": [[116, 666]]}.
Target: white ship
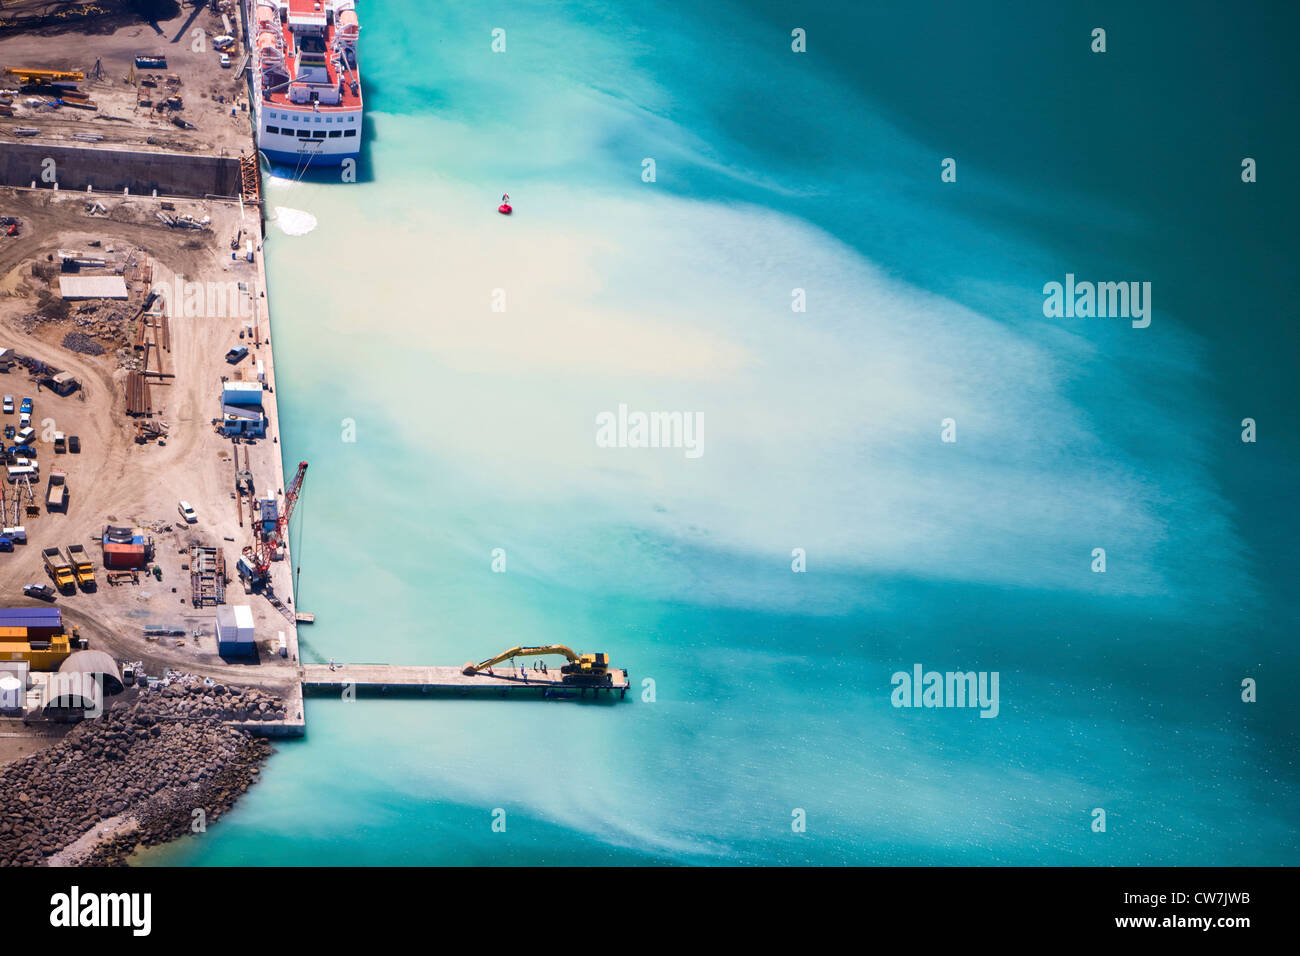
{"points": [[306, 80]]}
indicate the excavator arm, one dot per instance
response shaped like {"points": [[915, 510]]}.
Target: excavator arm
{"points": [[470, 670]]}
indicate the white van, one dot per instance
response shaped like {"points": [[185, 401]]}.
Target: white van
{"points": [[26, 436], [18, 535], [24, 419], [20, 471]]}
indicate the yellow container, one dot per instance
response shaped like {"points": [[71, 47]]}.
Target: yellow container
{"points": [[43, 659]]}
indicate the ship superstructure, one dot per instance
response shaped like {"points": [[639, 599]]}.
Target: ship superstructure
{"points": [[306, 80]]}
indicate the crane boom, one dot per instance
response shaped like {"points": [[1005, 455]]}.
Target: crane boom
{"points": [[264, 547], [37, 76]]}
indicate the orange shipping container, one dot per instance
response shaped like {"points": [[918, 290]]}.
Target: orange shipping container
{"points": [[125, 555]]}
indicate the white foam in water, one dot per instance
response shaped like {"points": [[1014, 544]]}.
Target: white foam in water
{"points": [[294, 222]]}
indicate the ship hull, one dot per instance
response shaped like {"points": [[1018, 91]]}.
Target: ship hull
{"points": [[281, 148], [306, 159]]}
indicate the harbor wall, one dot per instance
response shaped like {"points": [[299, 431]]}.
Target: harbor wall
{"points": [[112, 170]]}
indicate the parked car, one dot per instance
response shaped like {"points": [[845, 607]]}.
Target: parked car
{"points": [[25, 420], [225, 61], [187, 512], [6, 543], [26, 406], [42, 591], [9, 404], [74, 444], [10, 431], [236, 355]]}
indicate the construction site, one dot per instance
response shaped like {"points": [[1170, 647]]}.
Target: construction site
{"points": [[145, 503], [96, 75], [138, 466]]}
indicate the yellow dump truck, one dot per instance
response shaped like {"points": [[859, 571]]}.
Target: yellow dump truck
{"points": [[81, 566], [56, 495], [60, 569]]}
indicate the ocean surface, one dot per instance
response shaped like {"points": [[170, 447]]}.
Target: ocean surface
{"points": [[771, 690]]}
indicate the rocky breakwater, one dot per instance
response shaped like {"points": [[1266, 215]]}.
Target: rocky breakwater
{"points": [[157, 766]]}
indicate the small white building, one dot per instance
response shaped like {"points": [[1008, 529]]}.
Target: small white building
{"points": [[75, 288], [235, 629], [13, 688]]}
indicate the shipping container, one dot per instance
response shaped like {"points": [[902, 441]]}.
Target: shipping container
{"points": [[33, 618], [125, 556], [235, 629], [242, 393]]}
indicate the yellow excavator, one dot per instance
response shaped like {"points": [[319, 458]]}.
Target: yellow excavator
{"points": [[586, 670]]}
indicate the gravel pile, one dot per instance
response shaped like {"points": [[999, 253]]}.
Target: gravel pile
{"points": [[83, 343], [157, 758]]}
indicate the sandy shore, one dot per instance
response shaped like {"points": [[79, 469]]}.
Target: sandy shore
{"points": [[82, 851]]}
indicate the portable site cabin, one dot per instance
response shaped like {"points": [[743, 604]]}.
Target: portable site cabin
{"points": [[65, 383], [235, 636], [241, 410], [241, 421]]}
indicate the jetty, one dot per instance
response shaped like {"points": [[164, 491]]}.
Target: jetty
{"points": [[396, 678]]}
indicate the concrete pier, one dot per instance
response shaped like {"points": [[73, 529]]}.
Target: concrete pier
{"points": [[509, 682]]}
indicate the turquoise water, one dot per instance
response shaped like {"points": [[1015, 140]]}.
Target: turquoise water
{"points": [[776, 171]]}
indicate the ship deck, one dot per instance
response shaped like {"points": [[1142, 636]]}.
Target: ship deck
{"points": [[280, 98]]}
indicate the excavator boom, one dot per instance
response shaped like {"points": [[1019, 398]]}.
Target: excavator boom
{"points": [[471, 669]]}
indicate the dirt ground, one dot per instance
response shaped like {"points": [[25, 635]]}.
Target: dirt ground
{"points": [[115, 480], [208, 90]]}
